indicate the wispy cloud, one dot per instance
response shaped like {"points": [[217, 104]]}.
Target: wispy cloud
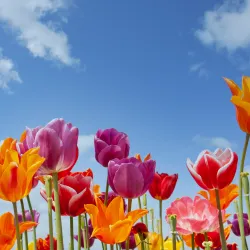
{"points": [[200, 69], [8, 73], [42, 38], [218, 142]]}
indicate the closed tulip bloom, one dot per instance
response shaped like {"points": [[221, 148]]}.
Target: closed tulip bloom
{"points": [[129, 177], [241, 100], [110, 144], [16, 174], [194, 216], [235, 225], [163, 186], [111, 225], [8, 230], [214, 170], [74, 192], [58, 145]]}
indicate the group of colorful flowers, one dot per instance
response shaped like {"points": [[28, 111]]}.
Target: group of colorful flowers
{"points": [[48, 154]]}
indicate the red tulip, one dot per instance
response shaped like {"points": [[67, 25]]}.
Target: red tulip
{"points": [[162, 186], [214, 170], [75, 191]]}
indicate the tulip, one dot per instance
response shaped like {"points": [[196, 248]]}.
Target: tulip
{"points": [[8, 230], [16, 174], [111, 225], [227, 195], [163, 186], [110, 144], [214, 170], [130, 178], [8, 144], [44, 244], [241, 100], [235, 225], [193, 216], [131, 244], [58, 144], [28, 216], [141, 229], [233, 246], [74, 192], [111, 196]]}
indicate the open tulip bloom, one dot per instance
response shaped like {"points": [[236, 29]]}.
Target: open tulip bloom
{"points": [[119, 218]]}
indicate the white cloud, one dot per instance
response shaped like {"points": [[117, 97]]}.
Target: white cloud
{"points": [[199, 69], [8, 72], [227, 26], [218, 142], [27, 19], [85, 143]]}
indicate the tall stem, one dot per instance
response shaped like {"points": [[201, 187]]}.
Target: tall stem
{"points": [[71, 233], [193, 243], [33, 218], [86, 231], [58, 213], [222, 234], [129, 209], [111, 247], [19, 246], [207, 247], [106, 192], [161, 229], [139, 204], [240, 216], [24, 219], [80, 233], [152, 217], [173, 228]]}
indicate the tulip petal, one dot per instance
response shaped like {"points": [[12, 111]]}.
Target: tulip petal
{"points": [[104, 235], [93, 212], [108, 153], [112, 168], [121, 230], [235, 90], [115, 210], [27, 225], [246, 88], [135, 215]]}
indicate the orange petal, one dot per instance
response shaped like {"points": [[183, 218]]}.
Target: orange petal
{"points": [[115, 210], [246, 88], [23, 136], [104, 235], [92, 210], [121, 230], [136, 214], [24, 226], [138, 157], [147, 157], [235, 90], [204, 194]]}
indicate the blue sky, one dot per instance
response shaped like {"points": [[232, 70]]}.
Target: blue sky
{"points": [[151, 69]]}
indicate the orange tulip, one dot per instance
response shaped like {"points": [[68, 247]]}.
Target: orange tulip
{"points": [[44, 244], [8, 230], [241, 100], [16, 174], [147, 157], [110, 224], [227, 195], [188, 240], [8, 144]]}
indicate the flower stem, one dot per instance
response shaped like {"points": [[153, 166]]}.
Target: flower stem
{"points": [[59, 232], [139, 204], [33, 218], [152, 219], [111, 247], [222, 235], [240, 216], [19, 246], [207, 246], [71, 233], [161, 229], [106, 192], [86, 230], [24, 219], [193, 243], [173, 229], [129, 209], [80, 233], [48, 187]]}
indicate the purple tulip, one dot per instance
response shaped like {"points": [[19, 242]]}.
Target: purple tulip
{"points": [[58, 144], [110, 144], [235, 225], [129, 177], [132, 242], [91, 239], [28, 216]]}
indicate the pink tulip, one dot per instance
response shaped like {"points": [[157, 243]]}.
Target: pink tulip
{"points": [[194, 216]]}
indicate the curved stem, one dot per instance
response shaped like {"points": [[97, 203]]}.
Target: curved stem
{"points": [[19, 246], [71, 233], [161, 229], [58, 213], [240, 219], [222, 234], [24, 219], [33, 218]]}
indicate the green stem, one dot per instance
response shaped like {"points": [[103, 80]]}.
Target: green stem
{"points": [[80, 233], [222, 234], [161, 229], [139, 204], [19, 246], [24, 219], [106, 193], [152, 219], [129, 209], [71, 233], [193, 243], [240, 216], [33, 218], [86, 231], [206, 239], [142, 245], [182, 244], [173, 228], [59, 232], [48, 187], [111, 247]]}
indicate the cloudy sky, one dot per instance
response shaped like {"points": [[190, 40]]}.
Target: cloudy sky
{"points": [[152, 69]]}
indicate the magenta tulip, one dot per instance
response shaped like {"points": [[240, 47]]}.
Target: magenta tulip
{"points": [[130, 178], [110, 144]]}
